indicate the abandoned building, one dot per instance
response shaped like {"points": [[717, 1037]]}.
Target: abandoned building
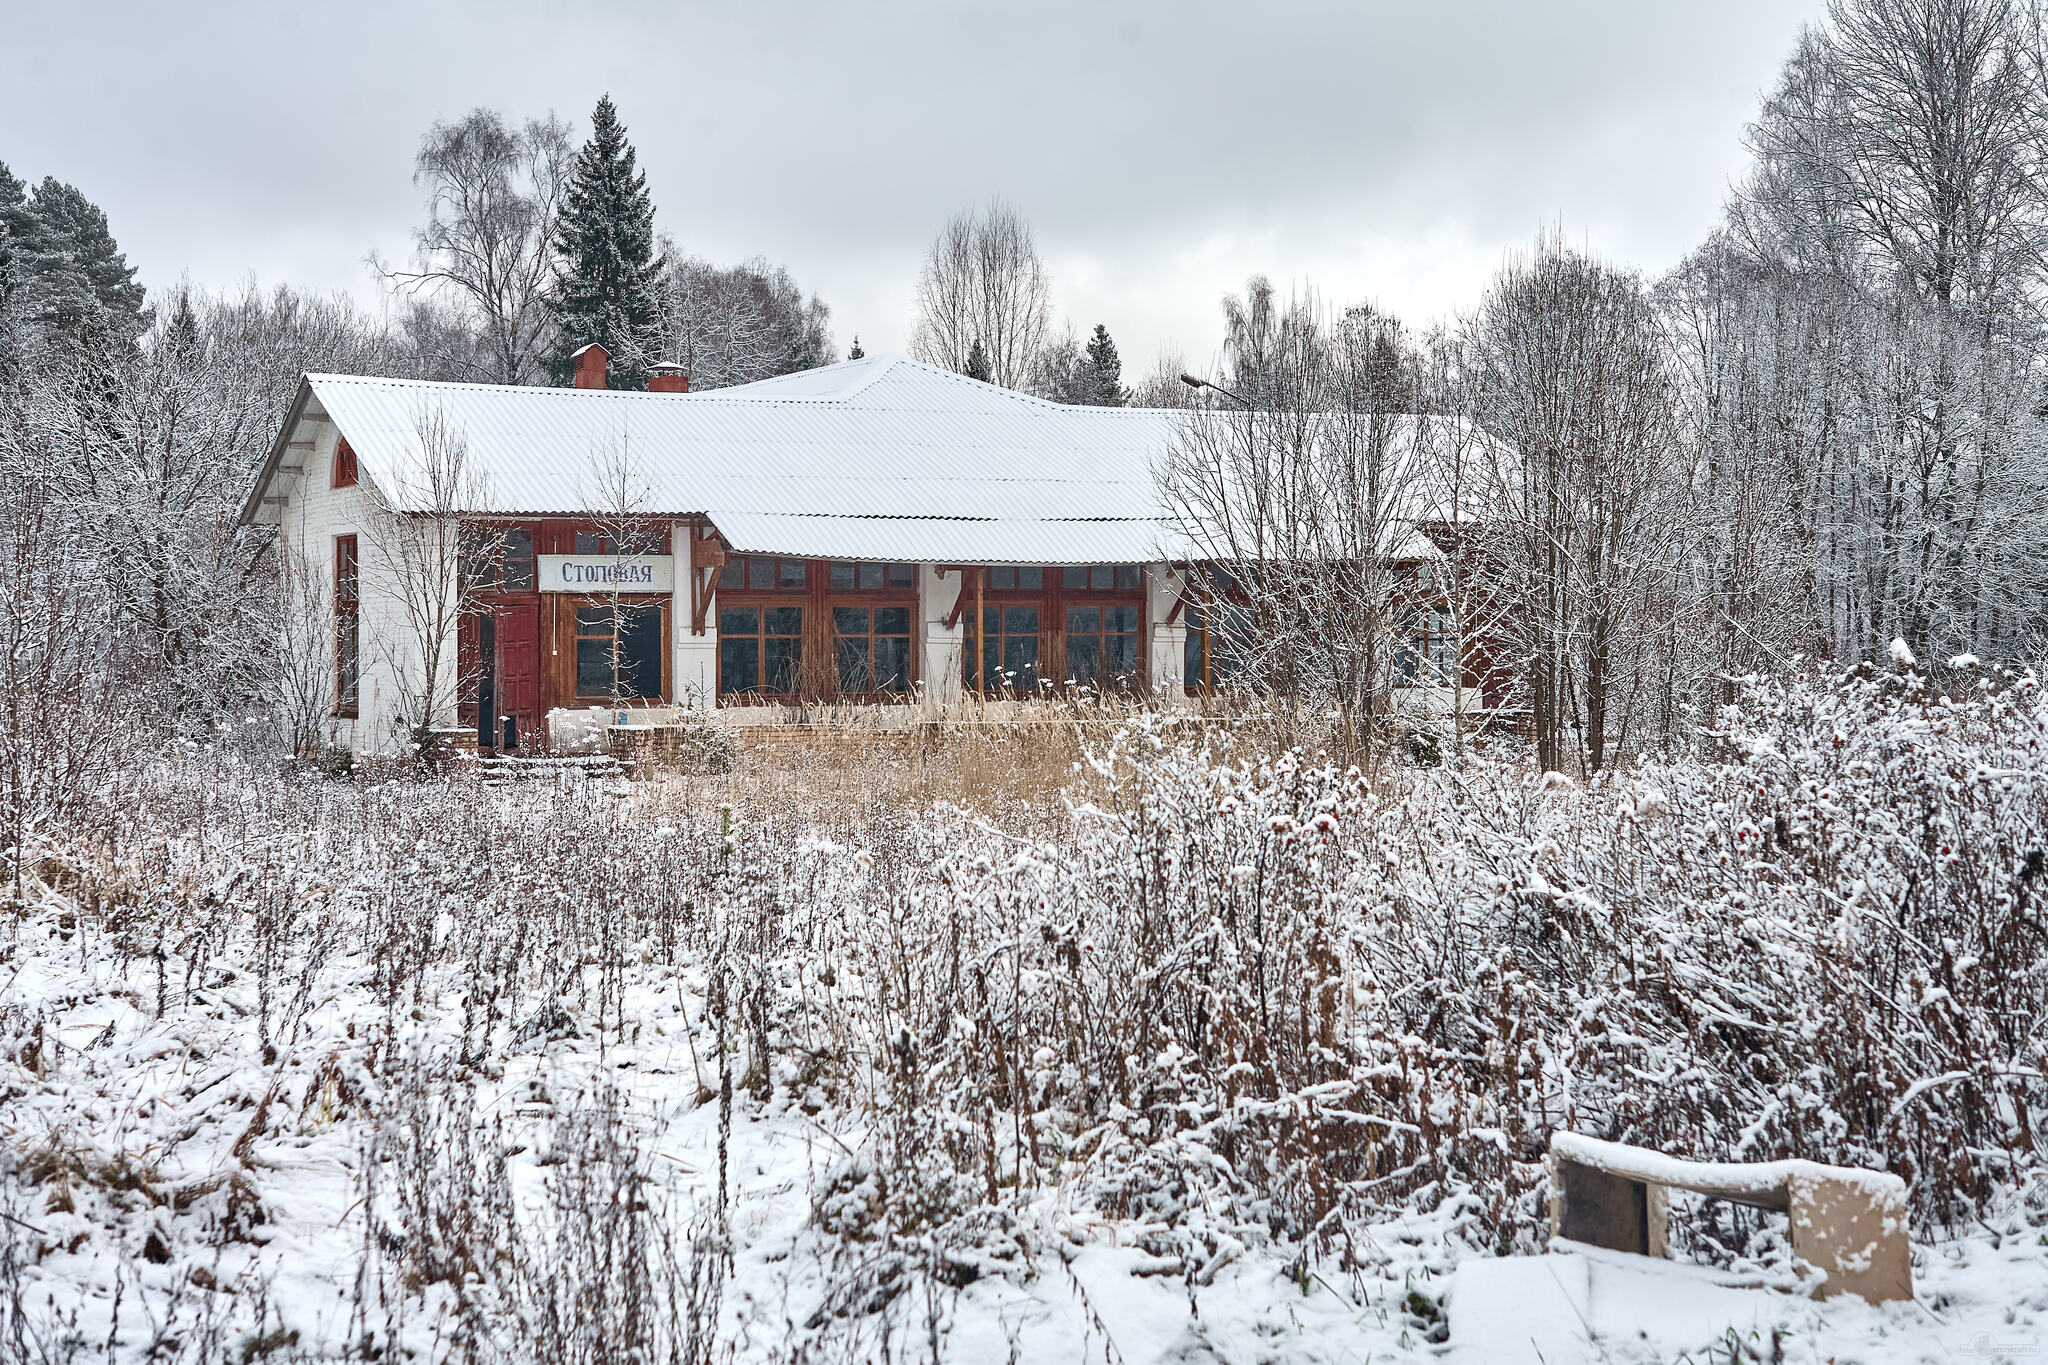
{"points": [[880, 532]]}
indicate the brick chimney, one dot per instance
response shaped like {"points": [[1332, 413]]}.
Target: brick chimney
{"points": [[668, 377], [590, 362]]}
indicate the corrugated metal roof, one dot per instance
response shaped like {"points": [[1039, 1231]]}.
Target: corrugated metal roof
{"points": [[878, 458], [932, 540]]}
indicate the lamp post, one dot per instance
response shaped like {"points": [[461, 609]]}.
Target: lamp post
{"points": [[1195, 383]]}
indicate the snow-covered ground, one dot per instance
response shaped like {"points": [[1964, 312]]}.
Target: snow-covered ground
{"points": [[301, 1069]]}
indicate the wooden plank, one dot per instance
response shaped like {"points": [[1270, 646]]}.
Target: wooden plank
{"points": [[1604, 1210]]}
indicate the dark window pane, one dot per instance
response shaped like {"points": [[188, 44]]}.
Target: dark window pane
{"points": [[855, 675], [640, 652], [850, 620], [991, 662], [1020, 662], [892, 621], [1087, 620], [1018, 620], [1002, 576], [1077, 575], [518, 560], [871, 575], [892, 664], [1122, 653], [760, 573], [594, 666], [991, 620], [593, 620], [1084, 658], [790, 574], [739, 665], [1191, 659], [1127, 576], [1123, 618], [1101, 576], [785, 621], [842, 575], [348, 656], [590, 543], [739, 621], [902, 575], [1031, 578], [781, 659], [474, 561]]}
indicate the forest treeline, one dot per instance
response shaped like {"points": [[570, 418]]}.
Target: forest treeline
{"points": [[1821, 433]]}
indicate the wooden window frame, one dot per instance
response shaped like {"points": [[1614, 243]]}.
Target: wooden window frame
{"points": [[348, 618], [345, 473], [565, 616], [1052, 599], [763, 602], [1208, 591], [818, 662]]}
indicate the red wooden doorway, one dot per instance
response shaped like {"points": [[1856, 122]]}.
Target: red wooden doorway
{"points": [[518, 667]]}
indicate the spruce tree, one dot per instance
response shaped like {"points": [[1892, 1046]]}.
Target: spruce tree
{"points": [[605, 265], [977, 363], [856, 353], [1104, 372]]}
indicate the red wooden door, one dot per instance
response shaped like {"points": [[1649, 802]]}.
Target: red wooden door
{"points": [[519, 667]]}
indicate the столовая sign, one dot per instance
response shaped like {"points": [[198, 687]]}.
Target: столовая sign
{"points": [[607, 573]]}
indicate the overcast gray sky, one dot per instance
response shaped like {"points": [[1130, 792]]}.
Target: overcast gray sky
{"points": [[1391, 152]]}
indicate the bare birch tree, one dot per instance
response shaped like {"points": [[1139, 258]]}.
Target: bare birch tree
{"points": [[303, 647], [1299, 486], [417, 538], [984, 283], [616, 496], [493, 192], [1569, 380]]}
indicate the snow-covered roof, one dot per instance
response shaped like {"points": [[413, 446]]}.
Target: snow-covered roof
{"points": [[878, 458]]}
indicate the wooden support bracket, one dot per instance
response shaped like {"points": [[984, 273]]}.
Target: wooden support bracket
{"points": [[707, 557], [959, 601]]}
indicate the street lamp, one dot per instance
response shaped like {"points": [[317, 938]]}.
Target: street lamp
{"points": [[1195, 383]]}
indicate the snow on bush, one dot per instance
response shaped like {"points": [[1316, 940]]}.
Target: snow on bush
{"points": [[512, 1049]]}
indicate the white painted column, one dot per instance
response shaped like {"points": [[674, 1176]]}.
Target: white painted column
{"points": [[939, 663], [696, 656], [1167, 662]]}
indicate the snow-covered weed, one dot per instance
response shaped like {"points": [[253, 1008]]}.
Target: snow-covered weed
{"points": [[1235, 1005]]}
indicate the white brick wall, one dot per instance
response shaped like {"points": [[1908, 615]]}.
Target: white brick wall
{"points": [[315, 514]]}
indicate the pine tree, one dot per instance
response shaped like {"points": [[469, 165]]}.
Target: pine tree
{"points": [[605, 266], [1104, 372], [977, 363], [856, 353], [86, 266], [59, 262]]}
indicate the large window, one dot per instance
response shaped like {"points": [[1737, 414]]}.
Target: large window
{"points": [[873, 648], [496, 560], [1009, 650], [1102, 644], [852, 577], [646, 540], [1101, 578], [1015, 578], [1219, 639], [1427, 654], [348, 623], [762, 573], [618, 652], [760, 649]]}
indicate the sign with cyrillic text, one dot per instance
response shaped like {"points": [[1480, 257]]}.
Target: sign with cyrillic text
{"points": [[599, 574]]}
